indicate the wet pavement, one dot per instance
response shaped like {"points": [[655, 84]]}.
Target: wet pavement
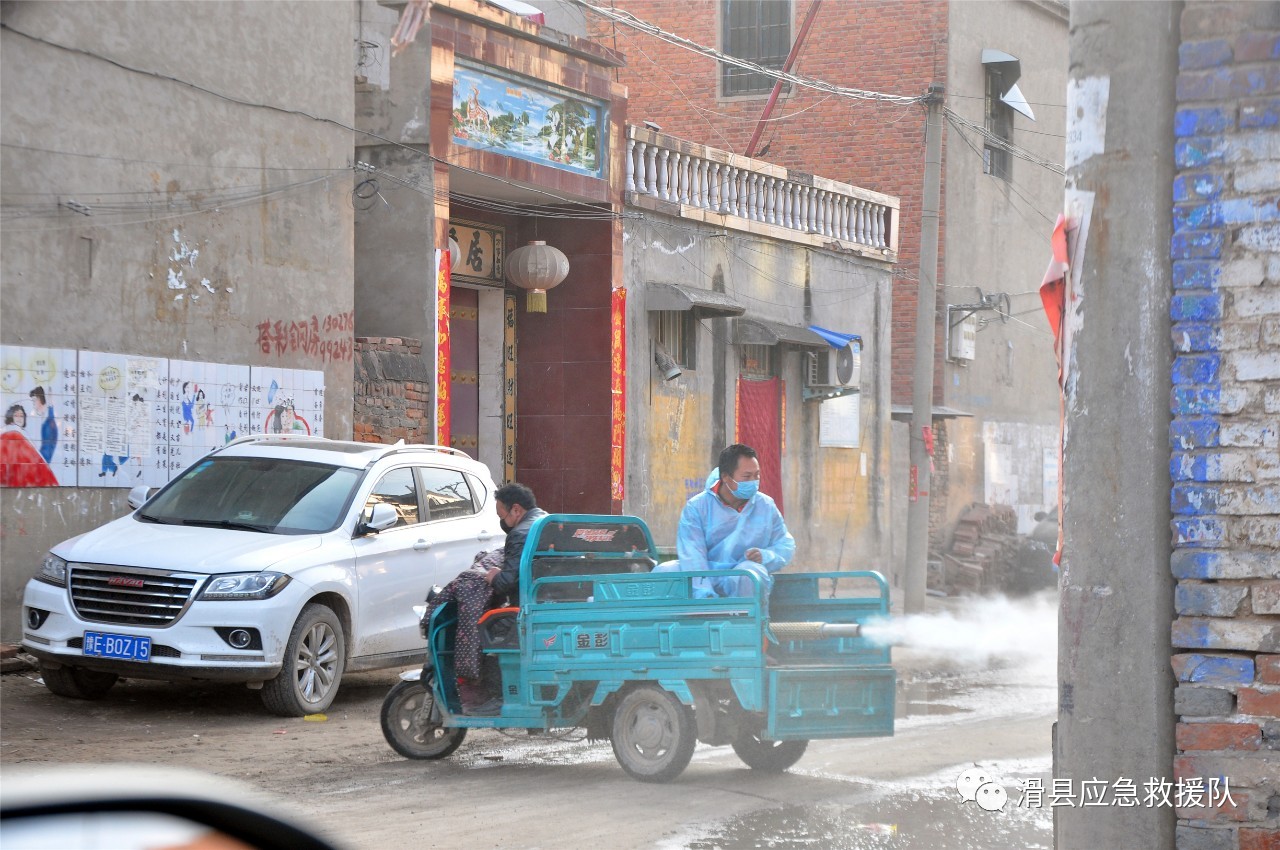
{"points": [[550, 791]]}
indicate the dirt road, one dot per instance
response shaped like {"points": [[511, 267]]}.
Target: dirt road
{"points": [[341, 779]]}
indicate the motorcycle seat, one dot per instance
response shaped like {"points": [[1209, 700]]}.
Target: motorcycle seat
{"points": [[498, 629]]}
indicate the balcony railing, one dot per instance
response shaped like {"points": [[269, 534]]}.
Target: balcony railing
{"points": [[681, 178]]}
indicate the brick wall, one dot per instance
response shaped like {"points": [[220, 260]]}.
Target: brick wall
{"points": [[392, 393], [893, 46], [1225, 435]]}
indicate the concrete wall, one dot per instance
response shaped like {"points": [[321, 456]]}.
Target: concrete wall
{"points": [[997, 244], [1115, 714], [394, 219], [260, 189], [676, 428], [1226, 427]]}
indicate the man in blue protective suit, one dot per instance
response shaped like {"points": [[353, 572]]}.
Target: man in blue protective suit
{"points": [[732, 525]]}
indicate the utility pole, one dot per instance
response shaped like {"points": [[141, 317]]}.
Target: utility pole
{"points": [[1116, 704], [786, 68], [922, 380]]}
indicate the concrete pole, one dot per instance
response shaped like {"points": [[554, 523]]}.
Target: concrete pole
{"points": [[922, 379], [1115, 708]]}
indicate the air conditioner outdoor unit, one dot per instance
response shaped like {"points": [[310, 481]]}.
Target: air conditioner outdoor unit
{"points": [[834, 368]]}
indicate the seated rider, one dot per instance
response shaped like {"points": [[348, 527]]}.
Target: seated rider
{"points": [[517, 511], [493, 575], [731, 525]]}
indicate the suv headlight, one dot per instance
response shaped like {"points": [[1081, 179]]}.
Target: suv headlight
{"points": [[53, 570], [245, 586]]}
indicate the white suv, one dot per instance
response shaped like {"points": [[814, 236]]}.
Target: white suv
{"points": [[276, 561]]}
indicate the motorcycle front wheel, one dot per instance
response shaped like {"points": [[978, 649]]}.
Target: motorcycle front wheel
{"points": [[412, 726]]}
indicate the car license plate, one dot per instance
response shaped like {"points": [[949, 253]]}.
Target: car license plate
{"points": [[124, 647]]}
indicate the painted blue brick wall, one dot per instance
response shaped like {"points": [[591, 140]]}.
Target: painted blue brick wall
{"points": [[1193, 187], [1193, 500], [1201, 531], [1194, 401], [1217, 670], [1198, 151], [1197, 55], [1196, 369], [1259, 115], [1195, 274], [1188, 434], [1214, 214], [1206, 121], [1196, 216], [1223, 503], [1196, 336], [1247, 210], [1195, 564], [1196, 307], [1197, 243]]}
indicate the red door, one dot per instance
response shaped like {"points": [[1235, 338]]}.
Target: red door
{"points": [[464, 370], [760, 427]]}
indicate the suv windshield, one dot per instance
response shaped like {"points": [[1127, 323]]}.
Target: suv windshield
{"points": [[256, 494]]}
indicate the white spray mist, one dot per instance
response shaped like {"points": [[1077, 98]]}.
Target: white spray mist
{"points": [[980, 632]]}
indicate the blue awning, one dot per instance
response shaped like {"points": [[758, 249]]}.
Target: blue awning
{"points": [[834, 338]]}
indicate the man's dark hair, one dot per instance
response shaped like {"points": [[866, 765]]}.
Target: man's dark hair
{"points": [[38, 395], [516, 494], [731, 455]]}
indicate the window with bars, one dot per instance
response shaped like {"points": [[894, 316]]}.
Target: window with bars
{"points": [[999, 123], [758, 361], [758, 31], [676, 333]]}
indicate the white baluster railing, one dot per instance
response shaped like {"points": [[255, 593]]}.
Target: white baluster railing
{"points": [[747, 193]]}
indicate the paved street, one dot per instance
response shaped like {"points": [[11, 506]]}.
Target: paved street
{"points": [[519, 791]]}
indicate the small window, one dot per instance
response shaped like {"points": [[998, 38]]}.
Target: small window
{"points": [[999, 123], [675, 333], [397, 490], [447, 493], [758, 361], [760, 32]]}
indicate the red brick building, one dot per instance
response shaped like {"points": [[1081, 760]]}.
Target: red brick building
{"points": [[995, 390], [873, 145]]}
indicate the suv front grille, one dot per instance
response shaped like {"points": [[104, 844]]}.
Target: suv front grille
{"points": [[130, 597]]}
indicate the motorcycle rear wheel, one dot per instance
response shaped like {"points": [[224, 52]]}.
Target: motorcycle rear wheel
{"points": [[768, 756], [409, 726]]}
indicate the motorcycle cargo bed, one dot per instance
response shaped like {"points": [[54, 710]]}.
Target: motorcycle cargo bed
{"points": [[830, 702]]}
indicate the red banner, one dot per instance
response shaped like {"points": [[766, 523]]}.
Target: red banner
{"points": [[442, 347], [618, 389]]}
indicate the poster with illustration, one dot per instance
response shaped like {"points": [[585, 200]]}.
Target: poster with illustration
{"points": [[286, 401], [516, 117], [38, 395], [122, 411], [208, 407]]}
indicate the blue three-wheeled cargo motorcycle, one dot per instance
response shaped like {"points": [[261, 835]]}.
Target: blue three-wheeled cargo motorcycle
{"points": [[600, 642]]}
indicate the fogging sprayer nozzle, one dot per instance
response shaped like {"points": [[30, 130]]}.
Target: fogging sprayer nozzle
{"points": [[815, 631]]}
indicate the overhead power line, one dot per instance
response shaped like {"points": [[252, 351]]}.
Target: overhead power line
{"points": [[630, 20], [992, 139]]}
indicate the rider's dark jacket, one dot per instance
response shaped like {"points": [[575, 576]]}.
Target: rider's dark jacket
{"points": [[507, 580]]}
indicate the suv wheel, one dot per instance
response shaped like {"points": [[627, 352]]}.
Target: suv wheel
{"points": [[76, 682], [313, 664]]}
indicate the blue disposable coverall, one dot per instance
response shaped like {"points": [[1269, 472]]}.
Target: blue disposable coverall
{"points": [[713, 536]]}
